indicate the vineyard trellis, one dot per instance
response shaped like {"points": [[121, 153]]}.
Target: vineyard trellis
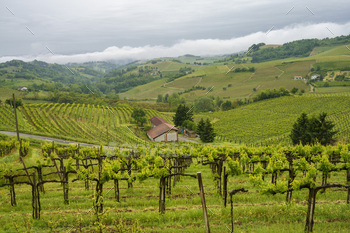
{"points": [[289, 169]]}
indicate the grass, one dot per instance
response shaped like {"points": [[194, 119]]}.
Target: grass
{"points": [[252, 211]]}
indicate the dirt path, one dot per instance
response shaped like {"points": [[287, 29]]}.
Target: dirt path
{"points": [[281, 71], [198, 81]]}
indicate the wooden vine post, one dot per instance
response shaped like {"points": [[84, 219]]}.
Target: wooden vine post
{"points": [[290, 179], [224, 190], [35, 193], [233, 192], [348, 182], [12, 190], [162, 194], [65, 185], [204, 207], [116, 189]]}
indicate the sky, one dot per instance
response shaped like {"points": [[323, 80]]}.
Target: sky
{"points": [[61, 31]]}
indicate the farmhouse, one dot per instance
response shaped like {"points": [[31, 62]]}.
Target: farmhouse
{"points": [[162, 131], [22, 88], [315, 76], [298, 77]]}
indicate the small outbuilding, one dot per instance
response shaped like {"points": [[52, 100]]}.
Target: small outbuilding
{"points": [[162, 131], [190, 133]]}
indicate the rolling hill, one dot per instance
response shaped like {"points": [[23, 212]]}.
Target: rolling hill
{"points": [[270, 121], [239, 85]]}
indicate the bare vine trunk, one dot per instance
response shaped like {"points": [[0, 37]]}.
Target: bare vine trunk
{"points": [[310, 210]]}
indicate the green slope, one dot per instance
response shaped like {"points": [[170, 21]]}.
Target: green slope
{"points": [[270, 121], [232, 85], [77, 122]]}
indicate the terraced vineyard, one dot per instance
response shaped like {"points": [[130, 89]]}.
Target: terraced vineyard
{"points": [[270, 121], [86, 123]]}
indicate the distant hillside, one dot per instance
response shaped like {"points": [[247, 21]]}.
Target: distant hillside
{"points": [[224, 81], [51, 72], [100, 66], [42, 76], [299, 48]]}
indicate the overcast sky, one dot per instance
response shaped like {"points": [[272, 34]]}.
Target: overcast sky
{"points": [[64, 31]]}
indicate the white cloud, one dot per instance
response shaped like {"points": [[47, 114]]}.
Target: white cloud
{"points": [[202, 47]]}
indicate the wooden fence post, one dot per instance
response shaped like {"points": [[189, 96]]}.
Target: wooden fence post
{"points": [[204, 207]]}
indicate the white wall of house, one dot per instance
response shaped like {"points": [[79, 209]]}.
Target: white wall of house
{"points": [[160, 138], [171, 136]]}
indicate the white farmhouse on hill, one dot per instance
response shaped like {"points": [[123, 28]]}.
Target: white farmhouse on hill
{"points": [[315, 76], [22, 88], [162, 131]]}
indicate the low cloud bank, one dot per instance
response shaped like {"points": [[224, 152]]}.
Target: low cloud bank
{"points": [[201, 47]]}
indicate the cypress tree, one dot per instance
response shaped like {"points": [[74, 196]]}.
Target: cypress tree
{"points": [[200, 127], [206, 131], [312, 130], [182, 113]]}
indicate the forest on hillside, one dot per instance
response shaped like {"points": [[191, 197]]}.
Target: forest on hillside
{"points": [[299, 48]]}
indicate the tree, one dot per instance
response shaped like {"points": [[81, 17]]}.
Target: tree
{"points": [[218, 101], [173, 100], [189, 125], [165, 99], [207, 134], [312, 130], [300, 132], [10, 102], [321, 130], [204, 104], [294, 90], [182, 113], [139, 115], [227, 105], [200, 127], [159, 99]]}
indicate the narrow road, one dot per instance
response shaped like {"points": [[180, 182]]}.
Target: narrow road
{"points": [[186, 139], [181, 138], [46, 138]]}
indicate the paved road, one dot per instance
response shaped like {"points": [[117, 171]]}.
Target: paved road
{"points": [[186, 139], [181, 138], [45, 138]]}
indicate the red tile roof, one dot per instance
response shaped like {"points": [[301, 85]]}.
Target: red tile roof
{"points": [[157, 121], [160, 129]]}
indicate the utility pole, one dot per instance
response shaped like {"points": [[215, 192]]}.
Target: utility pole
{"points": [[19, 140]]}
